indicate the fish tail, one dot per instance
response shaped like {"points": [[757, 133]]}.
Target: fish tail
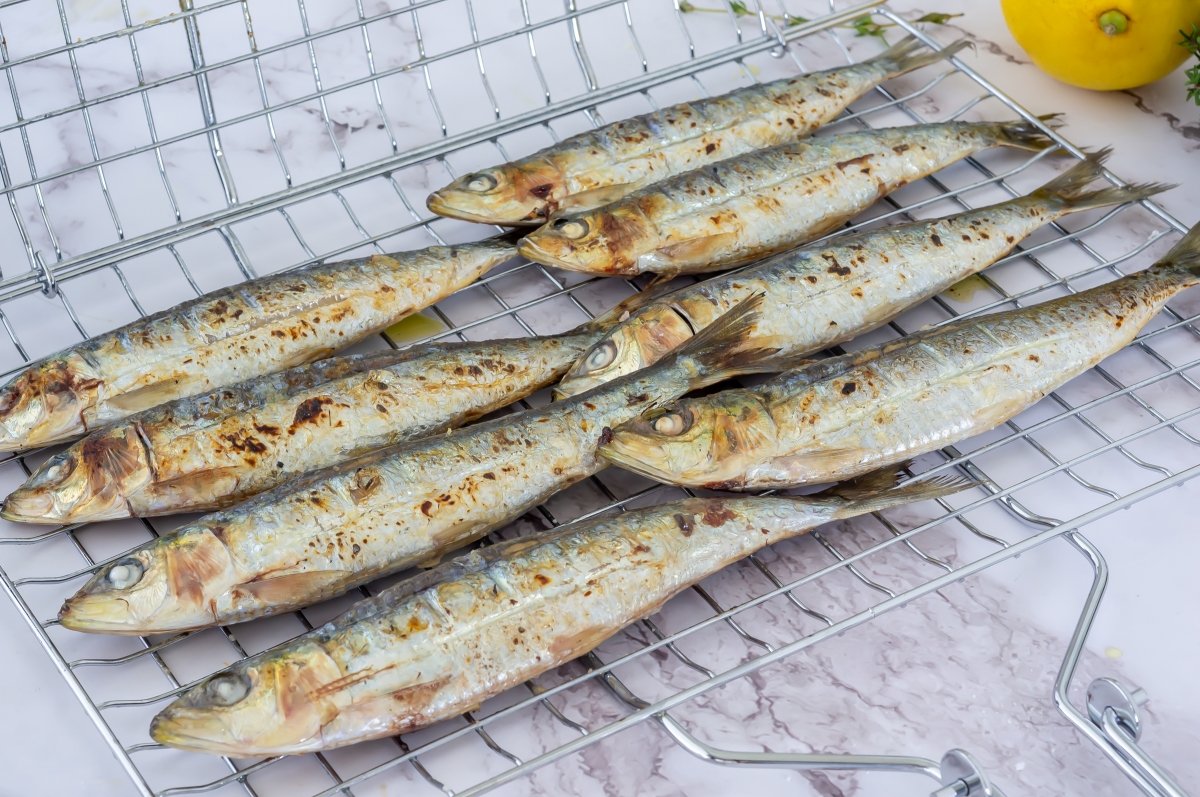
{"points": [[1023, 134], [882, 489], [911, 53], [1183, 260], [723, 348], [1069, 191]]}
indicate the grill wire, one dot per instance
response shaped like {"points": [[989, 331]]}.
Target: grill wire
{"points": [[1122, 432]]}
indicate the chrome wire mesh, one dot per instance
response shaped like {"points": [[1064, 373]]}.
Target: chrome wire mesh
{"points": [[361, 108]]}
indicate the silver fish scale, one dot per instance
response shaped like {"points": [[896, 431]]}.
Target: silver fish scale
{"points": [[1135, 424], [756, 170], [963, 380]]}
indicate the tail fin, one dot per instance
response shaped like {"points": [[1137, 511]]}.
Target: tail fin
{"points": [[881, 489], [1068, 190], [1185, 256], [1022, 134], [725, 348], [911, 53]]}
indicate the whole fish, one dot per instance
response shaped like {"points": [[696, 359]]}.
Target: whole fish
{"points": [[334, 529], [439, 644], [230, 335], [763, 202], [851, 414], [831, 291], [602, 165], [219, 448]]}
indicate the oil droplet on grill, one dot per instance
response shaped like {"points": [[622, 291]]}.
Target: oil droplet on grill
{"points": [[415, 327], [964, 290]]}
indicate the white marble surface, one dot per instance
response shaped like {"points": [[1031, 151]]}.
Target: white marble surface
{"points": [[971, 666]]}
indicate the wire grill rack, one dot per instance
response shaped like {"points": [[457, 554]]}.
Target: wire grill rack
{"points": [[361, 108]]}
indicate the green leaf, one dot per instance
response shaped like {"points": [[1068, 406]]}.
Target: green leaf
{"points": [[1192, 42], [739, 8], [936, 18], [866, 26], [792, 19], [686, 7]]}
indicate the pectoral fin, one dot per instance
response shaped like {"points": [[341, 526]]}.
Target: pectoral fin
{"points": [[198, 491], [595, 197], [809, 467], [695, 254], [148, 396], [296, 588]]}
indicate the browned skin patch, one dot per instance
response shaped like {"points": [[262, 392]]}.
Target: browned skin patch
{"points": [[309, 411], [936, 239], [541, 579], [606, 436], [411, 704], [849, 388], [716, 514], [836, 267], [861, 160], [685, 524], [427, 508], [246, 443], [620, 233]]}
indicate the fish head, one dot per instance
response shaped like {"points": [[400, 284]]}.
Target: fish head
{"points": [[512, 193], [273, 703], [703, 442], [87, 482], [638, 342], [166, 585], [44, 404], [608, 241]]}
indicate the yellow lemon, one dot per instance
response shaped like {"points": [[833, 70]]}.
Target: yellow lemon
{"points": [[1103, 44]]}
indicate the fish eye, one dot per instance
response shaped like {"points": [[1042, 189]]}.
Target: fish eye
{"points": [[227, 689], [125, 573], [56, 469], [672, 423], [481, 182], [601, 356], [571, 228]]}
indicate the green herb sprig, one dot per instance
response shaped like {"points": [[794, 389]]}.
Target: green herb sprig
{"points": [[1192, 42], [866, 25]]}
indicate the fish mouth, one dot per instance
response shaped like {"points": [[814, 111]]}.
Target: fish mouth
{"points": [[89, 615], [37, 506], [443, 206], [530, 250], [170, 727], [184, 729], [622, 455], [31, 506], [571, 387]]}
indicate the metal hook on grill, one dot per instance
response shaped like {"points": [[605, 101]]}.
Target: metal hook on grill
{"points": [[45, 277], [958, 773]]}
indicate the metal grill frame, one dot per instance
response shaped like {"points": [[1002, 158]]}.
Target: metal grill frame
{"points": [[760, 32]]}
